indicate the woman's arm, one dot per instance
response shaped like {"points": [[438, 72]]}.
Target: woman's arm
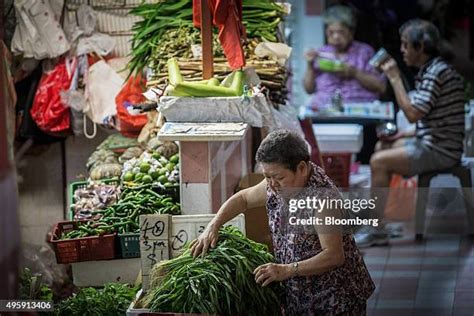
{"points": [[238, 203], [370, 82], [309, 79], [331, 256], [310, 74]]}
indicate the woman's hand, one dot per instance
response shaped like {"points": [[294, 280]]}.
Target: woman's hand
{"points": [[391, 70], [207, 239], [347, 71], [267, 273], [311, 55]]}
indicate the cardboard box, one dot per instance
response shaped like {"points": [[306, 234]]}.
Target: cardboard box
{"points": [[256, 219]]}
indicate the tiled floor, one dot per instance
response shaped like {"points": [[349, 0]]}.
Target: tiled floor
{"points": [[432, 277]]}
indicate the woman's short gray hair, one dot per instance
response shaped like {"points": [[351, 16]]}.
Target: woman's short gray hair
{"points": [[340, 14], [284, 147], [422, 32]]}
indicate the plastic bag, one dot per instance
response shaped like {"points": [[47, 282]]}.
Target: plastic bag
{"points": [[48, 110], [401, 201], [87, 19], [74, 97], [103, 86], [80, 30], [255, 110], [130, 124], [38, 33]]}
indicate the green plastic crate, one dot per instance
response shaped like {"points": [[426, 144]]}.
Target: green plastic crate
{"points": [[80, 185], [129, 245]]}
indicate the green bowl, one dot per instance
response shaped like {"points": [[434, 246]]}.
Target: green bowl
{"points": [[329, 65]]}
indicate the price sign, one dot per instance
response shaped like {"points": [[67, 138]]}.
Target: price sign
{"points": [[154, 238], [163, 237]]}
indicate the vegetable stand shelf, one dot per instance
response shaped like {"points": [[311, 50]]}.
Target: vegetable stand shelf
{"points": [[214, 157], [184, 228]]}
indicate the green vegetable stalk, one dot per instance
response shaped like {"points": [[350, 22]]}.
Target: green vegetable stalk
{"points": [[221, 282], [112, 300]]}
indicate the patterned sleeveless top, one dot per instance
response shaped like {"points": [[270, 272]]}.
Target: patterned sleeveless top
{"points": [[333, 292]]}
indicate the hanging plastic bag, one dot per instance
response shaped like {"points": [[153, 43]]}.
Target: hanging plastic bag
{"points": [[103, 86], [38, 33], [74, 97], [48, 110], [130, 123], [401, 201]]}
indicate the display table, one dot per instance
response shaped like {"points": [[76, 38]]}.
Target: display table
{"points": [[355, 113], [213, 159]]}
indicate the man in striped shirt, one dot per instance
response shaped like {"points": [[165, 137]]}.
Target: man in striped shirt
{"points": [[437, 108]]}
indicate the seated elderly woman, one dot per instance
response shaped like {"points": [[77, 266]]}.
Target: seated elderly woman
{"points": [[356, 79]]}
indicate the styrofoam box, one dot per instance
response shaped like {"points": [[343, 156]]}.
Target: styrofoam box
{"points": [[132, 311], [339, 137], [97, 273]]}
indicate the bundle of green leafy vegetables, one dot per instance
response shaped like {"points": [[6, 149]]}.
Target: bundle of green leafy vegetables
{"points": [[112, 300], [166, 30], [220, 282]]}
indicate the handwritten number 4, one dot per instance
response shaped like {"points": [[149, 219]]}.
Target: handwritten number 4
{"points": [[156, 230]]}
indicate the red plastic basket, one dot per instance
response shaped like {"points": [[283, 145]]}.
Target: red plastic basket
{"points": [[81, 249], [338, 167]]}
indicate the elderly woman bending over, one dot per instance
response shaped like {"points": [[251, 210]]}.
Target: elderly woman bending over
{"points": [[321, 269]]}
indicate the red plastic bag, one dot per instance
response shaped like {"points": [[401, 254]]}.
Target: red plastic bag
{"points": [[48, 111], [401, 201], [129, 124]]}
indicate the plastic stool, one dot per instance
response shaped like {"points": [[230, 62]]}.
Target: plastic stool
{"points": [[464, 175]]}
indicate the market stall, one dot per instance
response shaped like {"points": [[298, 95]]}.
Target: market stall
{"points": [[188, 126], [138, 131]]}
